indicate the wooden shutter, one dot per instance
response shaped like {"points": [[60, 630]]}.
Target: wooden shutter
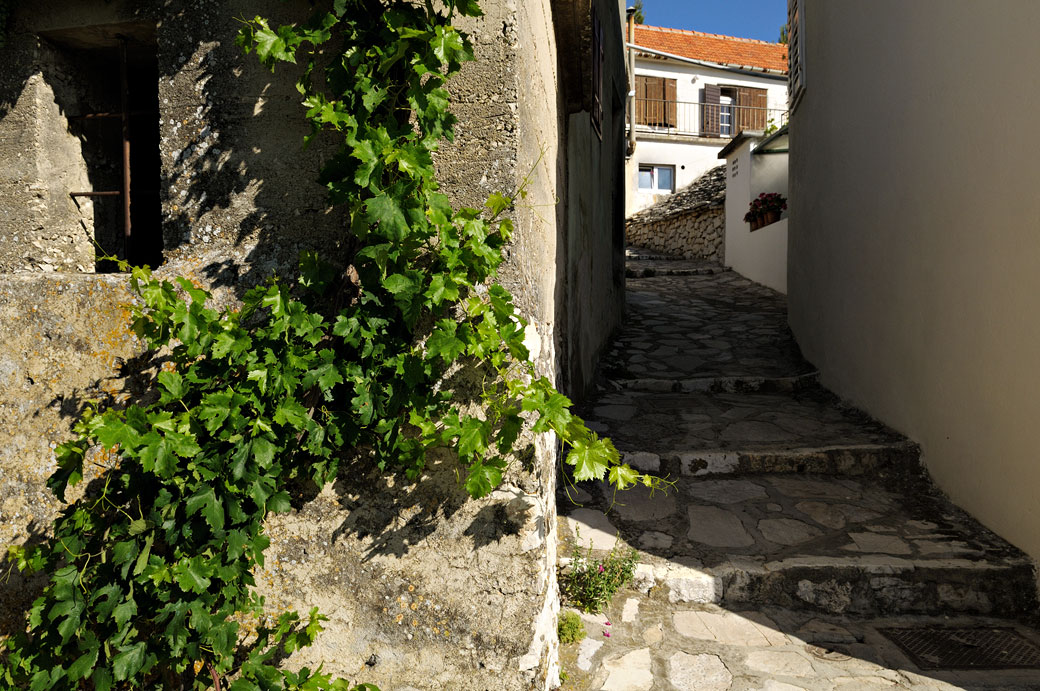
{"points": [[751, 108], [641, 89], [670, 103], [760, 100], [795, 52], [654, 100], [710, 110]]}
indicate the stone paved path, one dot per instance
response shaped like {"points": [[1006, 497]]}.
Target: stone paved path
{"points": [[797, 527], [686, 331]]}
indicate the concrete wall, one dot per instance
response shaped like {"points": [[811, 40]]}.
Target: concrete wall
{"points": [[913, 280], [228, 131], [238, 205], [41, 228], [691, 158], [760, 255]]}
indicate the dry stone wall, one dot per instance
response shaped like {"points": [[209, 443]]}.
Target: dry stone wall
{"points": [[690, 223]]}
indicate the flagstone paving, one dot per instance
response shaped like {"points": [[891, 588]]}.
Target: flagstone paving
{"points": [[796, 526], [657, 646], [687, 329]]}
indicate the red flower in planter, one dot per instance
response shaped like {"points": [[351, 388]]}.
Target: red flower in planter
{"points": [[763, 204]]}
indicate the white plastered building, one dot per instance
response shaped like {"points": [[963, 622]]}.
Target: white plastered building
{"points": [[693, 92]]}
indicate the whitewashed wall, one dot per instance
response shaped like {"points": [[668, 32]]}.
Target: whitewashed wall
{"points": [[915, 235], [692, 157], [760, 255]]}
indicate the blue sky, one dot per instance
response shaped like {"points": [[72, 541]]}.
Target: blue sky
{"points": [[745, 18]]}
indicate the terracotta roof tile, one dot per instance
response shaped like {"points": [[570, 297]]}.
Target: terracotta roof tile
{"points": [[727, 50]]}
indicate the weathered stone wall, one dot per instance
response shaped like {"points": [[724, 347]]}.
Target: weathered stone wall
{"points": [[41, 227], [437, 590], [63, 340], [690, 223], [235, 184]]}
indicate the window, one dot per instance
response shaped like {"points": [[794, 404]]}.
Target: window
{"points": [[657, 179], [726, 120], [113, 113], [656, 104]]}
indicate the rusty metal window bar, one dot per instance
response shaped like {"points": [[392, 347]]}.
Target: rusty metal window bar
{"points": [[124, 114]]}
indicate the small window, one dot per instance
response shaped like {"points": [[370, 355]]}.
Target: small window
{"points": [[657, 179], [113, 113]]}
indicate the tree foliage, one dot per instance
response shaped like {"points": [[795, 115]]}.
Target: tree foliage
{"points": [[151, 571], [638, 14]]}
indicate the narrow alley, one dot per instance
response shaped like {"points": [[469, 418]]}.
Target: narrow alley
{"points": [[802, 546]]}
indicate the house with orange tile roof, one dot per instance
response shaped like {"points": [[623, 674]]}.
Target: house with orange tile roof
{"points": [[693, 92]]}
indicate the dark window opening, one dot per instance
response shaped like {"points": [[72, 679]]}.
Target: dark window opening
{"points": [[115, 115]]}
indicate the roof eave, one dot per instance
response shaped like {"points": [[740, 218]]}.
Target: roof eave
{"points": [[743, 69]]}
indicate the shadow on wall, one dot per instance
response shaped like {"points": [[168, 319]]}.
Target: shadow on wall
{"points": [[242, 199], [19, 589], [222, 188]]}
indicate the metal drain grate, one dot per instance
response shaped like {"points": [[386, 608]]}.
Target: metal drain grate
{"points": [[975, 648]]}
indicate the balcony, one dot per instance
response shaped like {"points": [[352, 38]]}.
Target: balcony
{"points": [[712, 120]]}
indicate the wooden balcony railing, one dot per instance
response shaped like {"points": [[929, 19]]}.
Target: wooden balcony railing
{"points": [[704, 119]]}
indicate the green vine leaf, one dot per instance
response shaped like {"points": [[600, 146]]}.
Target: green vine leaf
{"points": [[385, 211], [590, 458], [482, 479], [129, 661], [83, 666]]}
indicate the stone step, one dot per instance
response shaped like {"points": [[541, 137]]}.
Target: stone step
{"points": [[836, 545], [659, 266], [731, 384], [698, 433], [633, 253]]}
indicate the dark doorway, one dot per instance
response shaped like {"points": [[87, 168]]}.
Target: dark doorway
{"points": [[115, 115]]}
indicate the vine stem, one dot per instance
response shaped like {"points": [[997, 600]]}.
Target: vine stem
{"points": [[213, 673]]}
